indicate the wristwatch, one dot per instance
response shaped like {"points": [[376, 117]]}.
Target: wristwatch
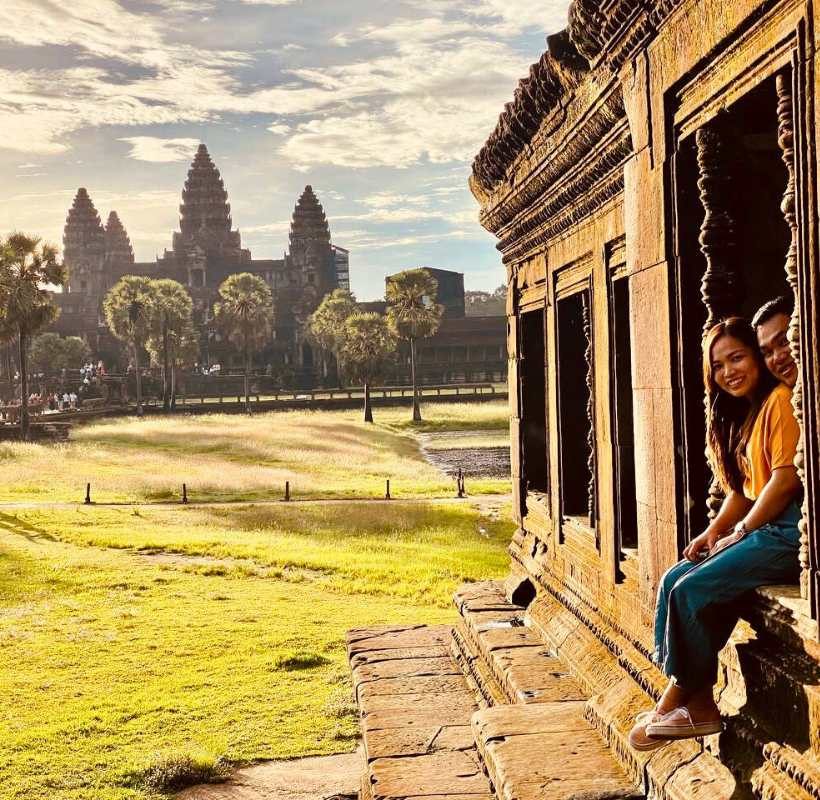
{"points": [[740, 529]]}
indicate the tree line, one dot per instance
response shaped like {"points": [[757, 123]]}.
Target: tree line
{"points": [[155, 316]]}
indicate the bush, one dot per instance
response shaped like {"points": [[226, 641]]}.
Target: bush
{"points": [[172, 772], [296, 661]]}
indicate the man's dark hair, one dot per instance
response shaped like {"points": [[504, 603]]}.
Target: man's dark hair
{"points": [[780, 305]]}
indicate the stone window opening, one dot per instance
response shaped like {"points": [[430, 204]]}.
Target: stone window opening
{"points": [[623, 434], [576, 432], [197, 278], [737, 239], [533, 394]]}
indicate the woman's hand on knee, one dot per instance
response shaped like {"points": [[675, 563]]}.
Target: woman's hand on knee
{"points": [[725, 542], [700, 546]]}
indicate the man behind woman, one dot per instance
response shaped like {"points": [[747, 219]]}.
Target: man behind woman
{"points": [[753, 541]]}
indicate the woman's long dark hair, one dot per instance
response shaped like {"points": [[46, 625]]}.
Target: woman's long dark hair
{"points": [[729, 420]]}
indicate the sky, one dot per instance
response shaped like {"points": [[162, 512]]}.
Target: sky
{"points": [[380, 105]]}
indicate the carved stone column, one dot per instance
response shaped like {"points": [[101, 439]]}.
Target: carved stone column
{"points": [[592, 501], [785, 138], [721, 287]]}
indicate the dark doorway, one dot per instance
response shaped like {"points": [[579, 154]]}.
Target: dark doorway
{"points": [[574, 406], [535, 472], [626, 509]]}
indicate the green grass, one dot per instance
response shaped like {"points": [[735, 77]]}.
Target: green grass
{"points": [[235, 457], [144, 646]]}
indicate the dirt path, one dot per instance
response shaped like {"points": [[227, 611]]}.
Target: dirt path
{"points": [[480, 458], [304, 779]]}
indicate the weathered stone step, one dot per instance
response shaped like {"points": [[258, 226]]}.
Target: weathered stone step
{"points": [[513, 658], [415, 707], [548, 751]]}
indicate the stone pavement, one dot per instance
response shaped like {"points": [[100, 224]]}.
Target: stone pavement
{"points": [[318, 778]]}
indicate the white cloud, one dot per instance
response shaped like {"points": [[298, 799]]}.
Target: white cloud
{"points": [[151, 148], [160, 151], [432, 94]]}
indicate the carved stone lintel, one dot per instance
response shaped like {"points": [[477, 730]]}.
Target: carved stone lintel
{"points": [[785, 138], [590, 382]]}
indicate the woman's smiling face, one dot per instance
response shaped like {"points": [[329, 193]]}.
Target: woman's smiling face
{"points": [[735, 368]]}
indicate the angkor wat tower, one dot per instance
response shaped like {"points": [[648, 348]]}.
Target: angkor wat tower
{"points": [[92, 254], [84, 246], [309, 274], [205, 240], [118, 250]]}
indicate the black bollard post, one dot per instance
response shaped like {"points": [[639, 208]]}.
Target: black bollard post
{"points": [[184, 495], [387, 490], [287, 491], [88, 494], [460, 483]]}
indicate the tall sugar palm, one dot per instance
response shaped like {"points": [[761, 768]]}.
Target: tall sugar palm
{"points": [[413, 313], [366, 344], [129, 307], [326, 324], [245, 316], [171, 318], [26, 267]]}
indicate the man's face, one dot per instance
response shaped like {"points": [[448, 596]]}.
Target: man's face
{"points": [[772, 336]]}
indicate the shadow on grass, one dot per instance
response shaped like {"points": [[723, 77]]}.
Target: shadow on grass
{"points": [[13, 524]]}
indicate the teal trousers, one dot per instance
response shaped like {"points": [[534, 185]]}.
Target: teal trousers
{"points": [[698, 603]]}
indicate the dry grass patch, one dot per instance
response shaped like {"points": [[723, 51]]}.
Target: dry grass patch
{"points": [[229, 457]]}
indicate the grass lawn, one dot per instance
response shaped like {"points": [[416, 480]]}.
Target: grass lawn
{"points": [[131, 634], [230, 457]]}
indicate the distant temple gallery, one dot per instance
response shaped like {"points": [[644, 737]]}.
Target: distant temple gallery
{"points": [[204, 252], [207, 249]]}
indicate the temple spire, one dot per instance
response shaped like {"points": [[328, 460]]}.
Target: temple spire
{"points": [[205, 214], [118, 248], [309, 223], [83, 231]]}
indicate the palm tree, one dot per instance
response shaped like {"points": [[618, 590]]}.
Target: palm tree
{"points": [[413, 313], [245, 315], [172, 316], [326, 323], [26, 266], [128, 308], [367, 345]]}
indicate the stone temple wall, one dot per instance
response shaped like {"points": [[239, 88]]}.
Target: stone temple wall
{"points": [[654, 173]]}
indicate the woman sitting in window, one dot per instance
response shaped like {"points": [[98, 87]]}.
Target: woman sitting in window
{"points": [[753, 541]]}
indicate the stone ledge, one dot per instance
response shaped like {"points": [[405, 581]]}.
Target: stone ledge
{"points": [[548, 751]]}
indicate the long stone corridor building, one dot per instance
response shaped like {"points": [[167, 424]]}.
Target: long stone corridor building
{"points": [[654, 173]]}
